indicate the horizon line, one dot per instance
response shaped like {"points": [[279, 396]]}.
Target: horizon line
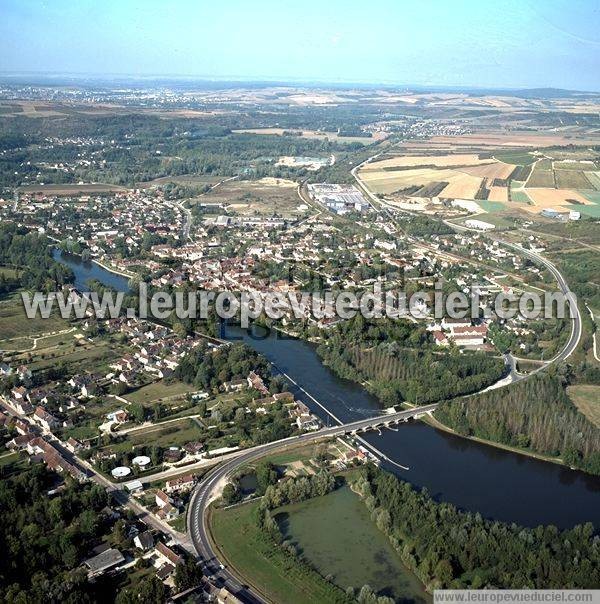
{"points": [[280, 81]]}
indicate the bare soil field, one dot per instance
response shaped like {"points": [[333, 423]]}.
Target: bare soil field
{"points": [[332, 136], [498, 194], [37, 109], [266, 196], [491, 171], [184, 179], [462, 186], [554, 198], [381, 181], [515, 140], [470, 159]]}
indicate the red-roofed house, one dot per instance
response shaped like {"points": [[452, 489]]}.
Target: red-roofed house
{"points": [[45, 419]]}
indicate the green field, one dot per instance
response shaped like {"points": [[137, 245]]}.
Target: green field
{"points": [[93, 357], [594, 178], [336, 534], [519, 158], [261, 563], [587, 399], [491, 206], [15, 324], [572, 179], [594, 210], [519, 195], [171, 434], [544, 164], [160, 390], [540, 178], [573, 165]]}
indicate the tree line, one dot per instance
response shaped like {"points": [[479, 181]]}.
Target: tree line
{"points": [[294, 491]]}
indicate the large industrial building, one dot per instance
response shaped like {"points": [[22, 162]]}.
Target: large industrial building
{"points": [[338, 198]]}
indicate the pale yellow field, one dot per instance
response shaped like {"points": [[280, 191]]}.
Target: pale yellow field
{"points": [[515, 140], [553, 198], [495, 170], [269, 181], [462, 186], [332, 136], [381, 181], [462, 159], [498, 194]]}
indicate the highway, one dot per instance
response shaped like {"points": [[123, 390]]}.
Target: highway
{"points": [[576, 326]]}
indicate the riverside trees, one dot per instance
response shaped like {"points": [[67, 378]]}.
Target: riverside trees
{"points": [[534, 414], [398, 362], [449, 548]]}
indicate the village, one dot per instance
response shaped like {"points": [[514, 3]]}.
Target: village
{"points": [[154, 457]]}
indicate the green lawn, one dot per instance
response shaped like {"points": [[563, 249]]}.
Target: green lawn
{"points": [[11, 463], [179, 523], [261, 563], [159, 390], [173, 434]]}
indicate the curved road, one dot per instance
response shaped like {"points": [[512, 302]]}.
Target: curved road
{"points": [[206, 491], [576, 328]]}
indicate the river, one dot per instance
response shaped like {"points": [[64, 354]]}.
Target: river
{"points": [[86, 271], [499, 484]]}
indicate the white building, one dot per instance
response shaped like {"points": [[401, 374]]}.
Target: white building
{"points": [[480, 225]]}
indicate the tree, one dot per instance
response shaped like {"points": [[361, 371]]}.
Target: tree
{"points": [[266, 475], [187, 575], [136, 410], [118, 536], [148, 591], [231, 494]]}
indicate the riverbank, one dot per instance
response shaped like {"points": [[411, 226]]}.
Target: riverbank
{"points": [[435, 423], [437, 458], [110, 269]]}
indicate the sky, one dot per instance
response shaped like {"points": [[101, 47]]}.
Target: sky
{"points": [[483, 43]]}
